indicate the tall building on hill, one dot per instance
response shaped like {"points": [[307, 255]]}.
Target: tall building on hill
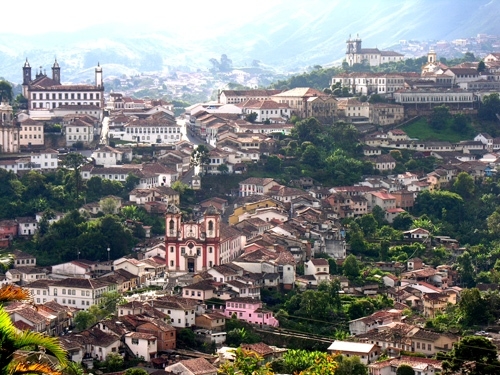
{"points": [[44, 93], [355, 54]]}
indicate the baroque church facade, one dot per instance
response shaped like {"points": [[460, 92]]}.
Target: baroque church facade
{"points": [[355, 54], [47, 94], [192, 246]]}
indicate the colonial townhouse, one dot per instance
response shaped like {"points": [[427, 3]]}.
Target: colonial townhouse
{"points": [[240, 96], [256, 186], [265, 110], [438, 179], [486, 139], [250, 310], [231, 243], [79, 131], [144, 345], [249, 203], [72, 292], [422, 366], [382, 199], [264, 261], [107, 156], [369, 83], [163, 194], [286, 194], [420, 98], [385, 162], [319, 269], [26, 318], [350, 108], [469, 147], [384, 114], [25, 275], [216, 159], [303, 102], [150, 175], [462, 75], [27, 226], [157, 130], [31, 133], [180, 158], [181, 311], [269, 129], [373, 321], [344, 205]]}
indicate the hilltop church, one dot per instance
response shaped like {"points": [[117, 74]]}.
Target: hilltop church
{"points": [[48, 98], [355, 54]]}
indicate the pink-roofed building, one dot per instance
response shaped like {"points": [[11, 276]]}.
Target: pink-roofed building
{"points": [[250, 310]]}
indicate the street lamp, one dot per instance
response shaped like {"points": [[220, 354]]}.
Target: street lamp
{"points": [[108, 253]]}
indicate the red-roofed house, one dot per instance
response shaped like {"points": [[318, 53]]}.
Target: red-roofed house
{"points": [[319, 268]]}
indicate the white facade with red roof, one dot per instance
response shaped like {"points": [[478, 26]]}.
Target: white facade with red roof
{"points": [[44, 94]]}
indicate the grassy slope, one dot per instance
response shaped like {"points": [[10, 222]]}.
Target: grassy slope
{"points": [[421, 130]]}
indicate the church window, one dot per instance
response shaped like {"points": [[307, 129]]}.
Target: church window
{"points": [[210, 225], [171, 226]]}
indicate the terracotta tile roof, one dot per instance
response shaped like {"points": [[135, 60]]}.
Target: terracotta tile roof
{"points": [[259, 348], [199, 366]]}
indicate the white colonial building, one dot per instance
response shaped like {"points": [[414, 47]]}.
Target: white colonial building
{"points": [[45, 94]]}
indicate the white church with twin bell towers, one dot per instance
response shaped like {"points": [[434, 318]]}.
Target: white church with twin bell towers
{"points": [[192, 246], [48, 97], [370, 56]]}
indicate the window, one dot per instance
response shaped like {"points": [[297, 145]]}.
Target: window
{"points": [[135, 341]]}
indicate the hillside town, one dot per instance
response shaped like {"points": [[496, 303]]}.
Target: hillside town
{"points": [[271, 220]]}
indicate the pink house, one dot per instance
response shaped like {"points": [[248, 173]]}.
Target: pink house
{"points": [[8, 231], [250, 310]]}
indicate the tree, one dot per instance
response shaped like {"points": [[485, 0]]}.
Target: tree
{"points": [[350, 267], [465, 269], [251, 117], [477, 351], [5, 91], [136, 371], [74, 161], [114, 362], [439, 117], [246, 362], [84, 319], [405, 370], [471, 306], [481, 67], [223, 169], [459, 123], [179, 187], [464, 185], [26, 352], [273, 164], [109, 206], [308, 130], [350, 366], [199, 157], [311, 157], [131, 182], [490, 107]]}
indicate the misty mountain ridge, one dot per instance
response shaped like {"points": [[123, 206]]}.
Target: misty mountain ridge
{"points": [[288, 39]]}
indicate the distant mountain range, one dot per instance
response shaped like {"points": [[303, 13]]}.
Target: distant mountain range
{"points": [[287, 38]]}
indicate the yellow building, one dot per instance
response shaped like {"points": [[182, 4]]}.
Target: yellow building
{"points": [[251, 205]]}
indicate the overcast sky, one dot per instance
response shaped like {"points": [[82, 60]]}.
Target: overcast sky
{"points": [[187, 16]]}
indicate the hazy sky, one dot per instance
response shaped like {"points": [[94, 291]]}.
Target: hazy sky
{"points": [[185, 16]]}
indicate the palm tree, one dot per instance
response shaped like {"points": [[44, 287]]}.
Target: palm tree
{"points": [[26, 352]]}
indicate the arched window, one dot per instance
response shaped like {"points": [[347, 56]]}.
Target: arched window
{"points": [[210, 225], [171, 224]]}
